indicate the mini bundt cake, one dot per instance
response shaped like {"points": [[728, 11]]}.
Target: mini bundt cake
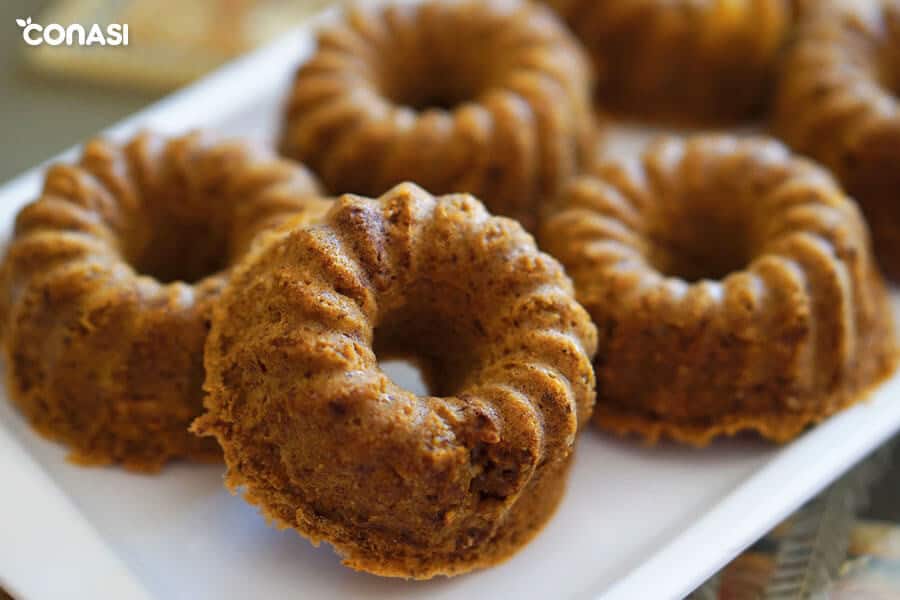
{"points": [[489, 97], [732, 286], [324, 442], [107, 286], [682, 61], [837, 103]]}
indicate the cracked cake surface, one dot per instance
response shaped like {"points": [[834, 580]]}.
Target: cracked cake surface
{"points": [[318, 436]]}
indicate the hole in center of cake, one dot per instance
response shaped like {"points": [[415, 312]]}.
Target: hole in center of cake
{"points": [[429, 82], [694, 243], [181, 250], [405, 374], [427, 348]]}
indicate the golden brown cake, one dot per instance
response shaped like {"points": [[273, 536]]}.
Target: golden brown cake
{"points": [[487, 97], [324, 442], [107, 286], [803, 8], [683, 61], [837, 103], [733, 288]]}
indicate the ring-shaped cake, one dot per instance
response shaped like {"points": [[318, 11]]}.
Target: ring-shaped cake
{"points": [[109, 280], [733, 288], [319, 437]]}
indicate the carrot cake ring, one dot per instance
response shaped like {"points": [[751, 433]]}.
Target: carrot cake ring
{"points": [[733, 288], [489, 97], [683, 61], [319, 437], [837, 103], [107, 286]]}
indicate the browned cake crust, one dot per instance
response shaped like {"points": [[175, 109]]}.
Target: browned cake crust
{"points": [[102, 337], [804, 8], [836, 102], [733, 288], [324, 442], [683, 61], [487, 97]]}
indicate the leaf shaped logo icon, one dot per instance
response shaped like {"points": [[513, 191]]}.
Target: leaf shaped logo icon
{"points": [[23, 22]]}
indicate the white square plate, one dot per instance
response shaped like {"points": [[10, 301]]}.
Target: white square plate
{"points": [[636, 523]]}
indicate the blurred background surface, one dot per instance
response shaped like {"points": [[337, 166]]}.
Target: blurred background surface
{"points": [[40, 115], [54, 97]]}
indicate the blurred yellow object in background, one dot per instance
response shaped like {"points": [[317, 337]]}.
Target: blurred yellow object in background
{"points": [[171, 42]]}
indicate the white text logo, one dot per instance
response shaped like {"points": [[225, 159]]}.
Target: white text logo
{"points": [[54, 34]]}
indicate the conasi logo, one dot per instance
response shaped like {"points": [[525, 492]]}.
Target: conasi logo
{"points": [[54, 34]]}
